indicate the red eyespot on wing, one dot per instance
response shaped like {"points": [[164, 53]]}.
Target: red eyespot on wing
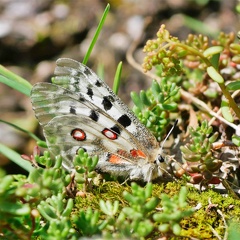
{"points": [[109, 134], [115, 159], [78, 134], [137, 153]]}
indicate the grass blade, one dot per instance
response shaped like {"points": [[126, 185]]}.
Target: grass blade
{"points": [[14, 81], [117, 78], [15, 157], [22, 130], [95, 37]]}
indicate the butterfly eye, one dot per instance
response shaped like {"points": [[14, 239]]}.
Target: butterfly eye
{"points": [[159, 159], [78, 134]]}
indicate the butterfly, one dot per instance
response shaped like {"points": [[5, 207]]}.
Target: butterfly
{"points": [[79, 110]]}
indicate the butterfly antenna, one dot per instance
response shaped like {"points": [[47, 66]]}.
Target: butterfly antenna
{"points": [[163, 142]]}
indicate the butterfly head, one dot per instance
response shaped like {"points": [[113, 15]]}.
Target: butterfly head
{"points": [[160, 166]]}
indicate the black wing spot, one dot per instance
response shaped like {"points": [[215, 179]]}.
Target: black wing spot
{"points": [[124, 120], [81, 98], [87, 71], [98, 83], [116, 129], [89, 92], [107, 102], [94, 115], [72, 110]]}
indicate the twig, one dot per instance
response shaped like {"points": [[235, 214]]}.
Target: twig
{"points": [[224, 221], [220, 110], [205, 107], [225, 224]]}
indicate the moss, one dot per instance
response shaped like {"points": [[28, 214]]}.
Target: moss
{"points": [[199, 225], [107, 191]]}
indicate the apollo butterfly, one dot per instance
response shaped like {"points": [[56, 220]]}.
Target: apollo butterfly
{"points": [[79, 110]]}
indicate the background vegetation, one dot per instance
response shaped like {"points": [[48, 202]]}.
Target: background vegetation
{"points": [[196, 77]]}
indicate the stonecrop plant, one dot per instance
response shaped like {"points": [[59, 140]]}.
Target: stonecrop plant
{"points": [[152, 107], [202, 66], [207, 72]]}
